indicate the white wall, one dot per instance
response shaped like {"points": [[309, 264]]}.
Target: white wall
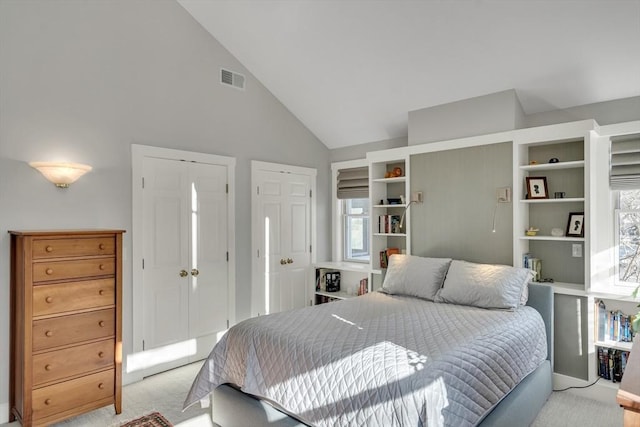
{"points": [[83, 80]]}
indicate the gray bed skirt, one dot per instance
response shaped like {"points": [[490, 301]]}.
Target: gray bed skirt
{"points": [[231, 407]]}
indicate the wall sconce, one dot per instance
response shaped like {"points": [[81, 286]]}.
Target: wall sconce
{"points": [[503, 195], [61, 174]]}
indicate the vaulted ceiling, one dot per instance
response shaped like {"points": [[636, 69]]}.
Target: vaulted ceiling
{"points": [[351, 70]]}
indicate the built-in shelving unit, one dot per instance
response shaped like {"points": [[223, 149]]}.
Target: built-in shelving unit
{"points": [[390, 202], [351, 273], [557, 154]]}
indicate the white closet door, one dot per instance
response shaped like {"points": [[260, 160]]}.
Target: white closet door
{"points": [[208, 308], [185, 274], [283, 221], [166, 253]]}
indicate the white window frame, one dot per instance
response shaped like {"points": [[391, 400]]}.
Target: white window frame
{"points": [[337, 252], [629, 286], [344, 223]]}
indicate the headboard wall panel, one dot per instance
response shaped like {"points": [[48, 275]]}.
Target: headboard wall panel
{"points": [[459, 188]]}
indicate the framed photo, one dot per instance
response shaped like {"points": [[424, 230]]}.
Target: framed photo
{"points": [[537, 187], [575, 226]]}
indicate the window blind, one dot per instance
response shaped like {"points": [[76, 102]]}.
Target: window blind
{"points": [[353, 183], [625, 163]]}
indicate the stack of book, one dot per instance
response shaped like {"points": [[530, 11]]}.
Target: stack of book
{"points": [[533, 264], [612, 363], [364, 286], [389, 224], [384, 256], [614, 325]]}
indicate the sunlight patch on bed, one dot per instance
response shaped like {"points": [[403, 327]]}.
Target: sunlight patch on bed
{"points": [[157, 356], [348, 322]]}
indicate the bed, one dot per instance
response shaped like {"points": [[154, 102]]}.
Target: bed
{"points": [[444, 343]]}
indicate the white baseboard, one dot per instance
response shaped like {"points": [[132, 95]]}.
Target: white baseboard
{"points": [[603, 391], [4, 412]]}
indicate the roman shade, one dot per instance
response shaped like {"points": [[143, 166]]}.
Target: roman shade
{"points": [[353, 183], [625, 163]]}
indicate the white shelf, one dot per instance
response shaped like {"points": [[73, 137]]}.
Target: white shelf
{"points": [[554, 238], [616, 345], [345, 266], [337, 295], [552, 166], [391, 234], [391, 180], [565, 200], [397, 205]]}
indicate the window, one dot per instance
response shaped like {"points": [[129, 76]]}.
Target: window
{"points": [[355, 213], [628, 238]]}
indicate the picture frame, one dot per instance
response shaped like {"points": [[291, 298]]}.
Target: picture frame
{"points": [[575, 225], [537, 187]]}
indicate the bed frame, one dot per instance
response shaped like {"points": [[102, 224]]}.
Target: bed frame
{"points": [[231, 407]]}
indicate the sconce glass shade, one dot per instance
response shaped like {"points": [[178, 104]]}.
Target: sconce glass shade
{"points": [[61, 174]]}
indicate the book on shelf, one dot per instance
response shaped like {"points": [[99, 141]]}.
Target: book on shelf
{"points": [[389, 224], [385, 254], [364, 286], [613, 325], [612, 363]]}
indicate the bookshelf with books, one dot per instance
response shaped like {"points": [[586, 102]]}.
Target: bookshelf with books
{"points": [[613, 338], [550, 190], [390, 200], [340, 280]]}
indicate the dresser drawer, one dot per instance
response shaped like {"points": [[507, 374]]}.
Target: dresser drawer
{"points": [[61, 270], [63, 330], [69, 296], [72, 394], [56, 248], [73, 361]]}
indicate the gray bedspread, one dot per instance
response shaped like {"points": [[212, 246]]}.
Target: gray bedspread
{"points": [[379, 360]]}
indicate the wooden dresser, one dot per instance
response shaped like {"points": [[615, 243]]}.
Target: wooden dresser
{"points": [[66, 328]]}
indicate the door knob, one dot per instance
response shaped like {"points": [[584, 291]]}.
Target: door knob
{"points": [[183, 273], [289, 261], [194, 272], [283, 261]]}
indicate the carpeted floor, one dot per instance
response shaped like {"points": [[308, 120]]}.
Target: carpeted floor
{"points": [[165, 393]]}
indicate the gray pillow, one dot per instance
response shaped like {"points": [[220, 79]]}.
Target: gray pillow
{"points": [[484, 285], [415, 276]]}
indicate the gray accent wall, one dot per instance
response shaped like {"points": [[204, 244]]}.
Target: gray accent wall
{"points": [[571, 339], [83, 80], [459, 189]]}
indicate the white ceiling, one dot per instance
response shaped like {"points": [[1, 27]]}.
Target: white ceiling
{"points": [[351, 70]]}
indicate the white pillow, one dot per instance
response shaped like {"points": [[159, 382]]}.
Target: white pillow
{"points": [[484, 285], [415, 276]]}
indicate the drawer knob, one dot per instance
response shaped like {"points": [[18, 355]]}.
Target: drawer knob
{"points": [[101, 267], [48, 333], [101, 386], [101, 354], [49, 300], [49, 249], [101, 323], [100, 292], [47, 367], [49, 271], [47, 402], [101, 246]]}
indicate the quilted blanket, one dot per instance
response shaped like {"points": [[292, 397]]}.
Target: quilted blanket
{"points": [[379, 360]]}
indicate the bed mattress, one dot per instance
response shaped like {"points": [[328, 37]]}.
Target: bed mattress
{"points": [[379, 360]]}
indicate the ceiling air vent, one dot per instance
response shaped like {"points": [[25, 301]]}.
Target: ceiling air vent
{"points": [[232, 79]]}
